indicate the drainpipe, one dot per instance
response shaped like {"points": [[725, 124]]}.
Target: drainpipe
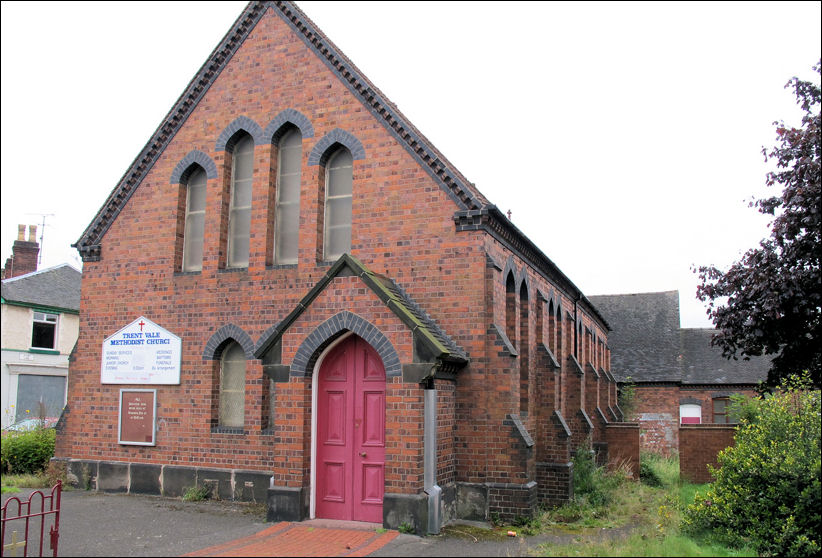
{"points": [[430, 459]]}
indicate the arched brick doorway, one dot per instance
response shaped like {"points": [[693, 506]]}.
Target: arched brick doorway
{"points": [[350, 441]]}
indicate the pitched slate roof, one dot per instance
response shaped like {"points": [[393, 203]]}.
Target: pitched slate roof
{"points": [[644, 337], [703, 364], [647, 344], [56, 287], [474, 211], [436, 341]]}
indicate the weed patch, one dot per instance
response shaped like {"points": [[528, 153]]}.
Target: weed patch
{"points": [[197, 493]]}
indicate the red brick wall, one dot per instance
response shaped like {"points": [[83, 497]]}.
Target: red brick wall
{"points": [[657, 411], [446, 428], [656, 408], [623, 446], [699, 446]]}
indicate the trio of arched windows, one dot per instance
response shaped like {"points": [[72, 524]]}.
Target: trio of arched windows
{"points": [[338, 186]]}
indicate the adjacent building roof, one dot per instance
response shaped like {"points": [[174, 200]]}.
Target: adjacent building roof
{"points": [[647, 344], [55, 287]]}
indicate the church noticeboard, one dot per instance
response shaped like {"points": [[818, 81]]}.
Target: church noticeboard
{"points": [[141, 353], [138, 417]]}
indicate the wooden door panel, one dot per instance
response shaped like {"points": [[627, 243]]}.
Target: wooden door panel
{"points": [[335, 423], [334, 474], [373, 424], [373, 483]]}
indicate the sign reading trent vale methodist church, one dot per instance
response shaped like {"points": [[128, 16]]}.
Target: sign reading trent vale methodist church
{"points": [[141, 353]]}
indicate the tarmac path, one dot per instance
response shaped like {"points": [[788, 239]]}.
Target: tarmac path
{"points": [[105, 524]]}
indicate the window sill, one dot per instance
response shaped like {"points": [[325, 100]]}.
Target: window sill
{"points": [[281, 266], [227, 430], [232, 270], [187, 273], [44, 351]]}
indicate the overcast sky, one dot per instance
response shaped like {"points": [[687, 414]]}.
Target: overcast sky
{"points": [[625, 138]]}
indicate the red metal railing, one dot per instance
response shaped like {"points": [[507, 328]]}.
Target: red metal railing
{"points": [[24, 514]]}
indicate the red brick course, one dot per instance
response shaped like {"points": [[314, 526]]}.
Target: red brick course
{"points": [[699, 446], [623, 446]]}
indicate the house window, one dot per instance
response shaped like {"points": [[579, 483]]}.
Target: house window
{"points": [[338, 188], [721, 411], [690, 414], [287, 218], [44, 331], [195, 220], [232, 386], [239, 214]]}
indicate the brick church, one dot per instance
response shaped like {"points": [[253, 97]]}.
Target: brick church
{"points": [[293, 297]]}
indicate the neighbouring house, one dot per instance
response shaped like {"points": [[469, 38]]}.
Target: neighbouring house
{"points": [[40, 321], [292, 296], [678, 377]]}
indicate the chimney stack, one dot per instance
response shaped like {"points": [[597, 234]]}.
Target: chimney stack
{"points": [[23, 253]]}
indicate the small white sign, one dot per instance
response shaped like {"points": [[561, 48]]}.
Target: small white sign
{"points": [[141, 353]]}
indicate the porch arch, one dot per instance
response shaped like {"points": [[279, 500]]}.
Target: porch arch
{"points": [[330, 330]]}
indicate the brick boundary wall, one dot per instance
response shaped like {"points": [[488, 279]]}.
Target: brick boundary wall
{"points": [[699, 445], [623, 446]]}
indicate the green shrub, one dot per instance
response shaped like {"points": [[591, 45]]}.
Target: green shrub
{"points": [[647, 474], [592, 483], [767, 488], [657, 470], [27, 452]]}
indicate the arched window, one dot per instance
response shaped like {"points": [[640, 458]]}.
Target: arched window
{"points": [[539, 323], [524, 346], [287, 217], [588, 355], [232, 386], [558, 323], [510, 309], [239, 213], [338, 188], [552, 329], [195, 186]]}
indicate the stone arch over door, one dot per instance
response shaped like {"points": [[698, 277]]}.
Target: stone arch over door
{"points": [[333, 328]]}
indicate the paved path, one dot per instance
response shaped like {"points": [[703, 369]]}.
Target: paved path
{"points": [[101, 524], [304, 539]]}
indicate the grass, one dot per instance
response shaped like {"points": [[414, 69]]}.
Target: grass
{"points": [[16, 482], [631, 519], [197, 493]]}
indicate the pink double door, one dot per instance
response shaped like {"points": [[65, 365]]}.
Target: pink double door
{"points": [[350, 480]]}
